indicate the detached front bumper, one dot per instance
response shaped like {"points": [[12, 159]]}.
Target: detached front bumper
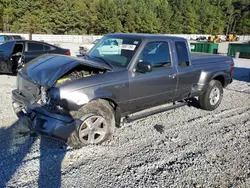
{"points": [[41, 120]]}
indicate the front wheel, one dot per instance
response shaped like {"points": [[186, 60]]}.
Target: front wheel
{"points": [[212, 97], [96, 124]]}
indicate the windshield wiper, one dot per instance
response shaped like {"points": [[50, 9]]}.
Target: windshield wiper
{"points": [[104, 60]]}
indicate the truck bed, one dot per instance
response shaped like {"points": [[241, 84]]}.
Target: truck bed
{"points": [[204, 58]]}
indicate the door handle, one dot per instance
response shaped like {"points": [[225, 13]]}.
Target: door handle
{"points": [[172, 76]]}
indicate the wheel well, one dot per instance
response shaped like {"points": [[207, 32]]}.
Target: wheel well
{"points": [[116, 109], [221, 79]]}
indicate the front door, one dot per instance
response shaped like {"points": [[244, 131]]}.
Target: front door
{"points": [[156, 87], [6, 50]]}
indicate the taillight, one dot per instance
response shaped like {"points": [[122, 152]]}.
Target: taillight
{"points": [[68, 53], [232, 66], [232, 69]]}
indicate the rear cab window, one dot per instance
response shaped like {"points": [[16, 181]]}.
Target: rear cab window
{"points": [[182, 54], [47, 47]]}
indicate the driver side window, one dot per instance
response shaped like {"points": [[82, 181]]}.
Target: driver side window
{"points": [[157, 54]]}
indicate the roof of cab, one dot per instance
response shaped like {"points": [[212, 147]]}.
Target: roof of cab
{"points": [[145, 36], [25, 40]]}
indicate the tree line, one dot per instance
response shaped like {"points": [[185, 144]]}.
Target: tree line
{"points": [[140, 16]]}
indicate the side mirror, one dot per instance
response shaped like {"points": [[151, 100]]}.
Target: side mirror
{"points": [[143, 67]]}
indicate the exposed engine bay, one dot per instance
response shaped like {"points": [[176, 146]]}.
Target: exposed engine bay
{"points": [[79, 71]]}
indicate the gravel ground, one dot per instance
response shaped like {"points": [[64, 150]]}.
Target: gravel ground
{"points": [[186, 147]]}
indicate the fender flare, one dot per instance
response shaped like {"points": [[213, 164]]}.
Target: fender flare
{"points": [[115, 106]]}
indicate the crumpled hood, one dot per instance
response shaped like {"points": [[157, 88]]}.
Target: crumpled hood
{"points": [[47, 69]]}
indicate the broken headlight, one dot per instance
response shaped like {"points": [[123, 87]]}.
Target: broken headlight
{"points": [[43, 95]]}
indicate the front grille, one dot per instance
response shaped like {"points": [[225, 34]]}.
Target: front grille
{"points": [[28, 89]]}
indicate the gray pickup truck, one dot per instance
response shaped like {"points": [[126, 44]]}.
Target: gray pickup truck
{"points": [[82, 100]]}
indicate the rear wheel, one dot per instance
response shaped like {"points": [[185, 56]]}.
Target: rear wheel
{"points": [[96, 124], [212, 98]]}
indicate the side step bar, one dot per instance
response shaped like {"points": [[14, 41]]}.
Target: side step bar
{"points": [[128, 119]]}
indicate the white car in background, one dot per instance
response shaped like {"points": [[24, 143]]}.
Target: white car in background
{"points": [[83, 49]]}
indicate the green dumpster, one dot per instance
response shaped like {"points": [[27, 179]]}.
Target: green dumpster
{"points": [[204, 47], [244, 50]]}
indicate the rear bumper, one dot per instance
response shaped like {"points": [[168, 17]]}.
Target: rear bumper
{"points": [[41, 120]]}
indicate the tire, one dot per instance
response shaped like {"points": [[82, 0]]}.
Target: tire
{"points": [[96, 124], [212, 98]]}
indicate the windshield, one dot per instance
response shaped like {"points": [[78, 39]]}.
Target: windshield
{"points": [[115, 51], [96, 41]]}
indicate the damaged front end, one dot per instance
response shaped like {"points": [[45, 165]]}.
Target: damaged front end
{"points": [[79, 71], [41, 98]]}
